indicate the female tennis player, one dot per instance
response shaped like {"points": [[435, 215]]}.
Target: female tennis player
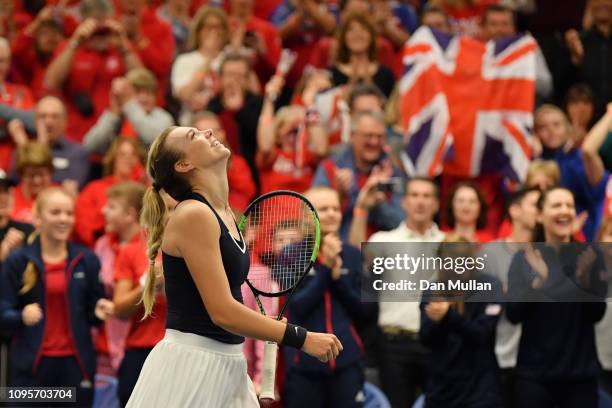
{"points": [[200, 361]]}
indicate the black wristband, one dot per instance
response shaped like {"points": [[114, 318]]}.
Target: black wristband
{"points": [[295, 336]]}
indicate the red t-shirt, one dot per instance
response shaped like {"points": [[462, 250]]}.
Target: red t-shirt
{"points": [[22, 206], [28, 65], [468, 20], [88, 84], [131, 264], [273, 45], [156, 50], [57, 341], [29, 68], [90, 221], [240, 178]]}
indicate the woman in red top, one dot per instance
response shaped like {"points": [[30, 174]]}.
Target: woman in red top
{"points": [[466, 213], [123, 162], [50, 296], [33, 48], [131, 268], [289, 147]]}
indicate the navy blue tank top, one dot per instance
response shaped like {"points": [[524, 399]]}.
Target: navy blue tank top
{"points": [[186, 311]]}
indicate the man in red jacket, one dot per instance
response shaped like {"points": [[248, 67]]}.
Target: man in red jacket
{"points": [[257, 35], [11, 95], [84, 66], [152, 40]]}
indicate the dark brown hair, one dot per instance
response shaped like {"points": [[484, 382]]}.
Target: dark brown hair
{"points": [[538, 232], [344, 54], [425, 180], [481, 221], [497, 8]]}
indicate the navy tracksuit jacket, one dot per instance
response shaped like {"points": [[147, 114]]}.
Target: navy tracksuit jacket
{"points": [[84, 289], [322, 305], [463, 370], [558, 338]]}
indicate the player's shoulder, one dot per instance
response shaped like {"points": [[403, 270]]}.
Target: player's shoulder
{"points": [[193, 213]]}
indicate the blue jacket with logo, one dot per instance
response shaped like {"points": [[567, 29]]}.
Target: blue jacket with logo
{"points": [[84, 289], [322, 304]]}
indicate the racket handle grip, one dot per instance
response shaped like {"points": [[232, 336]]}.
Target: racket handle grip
{"points": [[268, 373]]}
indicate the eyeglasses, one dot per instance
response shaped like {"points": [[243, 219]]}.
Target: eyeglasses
{"points": [[371, 135]]}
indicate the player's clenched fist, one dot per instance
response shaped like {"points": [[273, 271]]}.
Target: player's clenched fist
{"points": [[323, 346]]}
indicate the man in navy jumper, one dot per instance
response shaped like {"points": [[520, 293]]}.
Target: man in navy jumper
{"points": [[328, 301]]}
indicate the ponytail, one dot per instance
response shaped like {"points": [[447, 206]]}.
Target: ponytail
{"points": [[152, 219], [160, 166]]}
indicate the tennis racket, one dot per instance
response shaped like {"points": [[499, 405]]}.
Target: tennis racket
{"points": [[283, 233]]}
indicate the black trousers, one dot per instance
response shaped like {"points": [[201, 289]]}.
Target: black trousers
{"points": [[403, 369], [341, 389], [507, 386], [58, 372], [129, 370], [4, 361], [530, 393], [605, 381]]}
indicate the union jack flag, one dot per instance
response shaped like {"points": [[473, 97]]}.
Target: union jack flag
{"points": [[466, 107]]}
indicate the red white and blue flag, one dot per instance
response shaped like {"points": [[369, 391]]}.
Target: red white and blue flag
{"points": [[466, 107]]}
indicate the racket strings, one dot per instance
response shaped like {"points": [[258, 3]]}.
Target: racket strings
{"points": [[281, 234]]}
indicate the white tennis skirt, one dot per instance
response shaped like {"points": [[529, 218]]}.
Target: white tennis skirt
{"points": [[187, 370]]}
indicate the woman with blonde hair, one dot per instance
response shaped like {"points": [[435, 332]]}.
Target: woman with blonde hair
{"points": [[200, 361], [289, 146], [50, 297], [194, 73], [581, 167], [543, 174]]}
